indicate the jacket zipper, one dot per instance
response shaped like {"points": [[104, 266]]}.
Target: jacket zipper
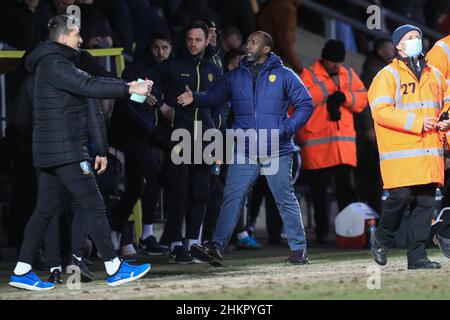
{"points": [[196, 109]]}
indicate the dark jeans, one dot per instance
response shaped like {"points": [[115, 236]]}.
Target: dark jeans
{"points": [[189, 194], [421, 200], [141, 163], [83, 189], [345, 193]]}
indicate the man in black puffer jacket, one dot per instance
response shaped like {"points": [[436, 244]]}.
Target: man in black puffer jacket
{"points": [[60, 138]]}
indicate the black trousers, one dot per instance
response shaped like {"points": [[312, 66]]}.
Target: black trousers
{"points": [[82, 187], [345, 193], [189, 194], [69, 227], [142, 169], [421, 200], [213, 207], [369, 187]]}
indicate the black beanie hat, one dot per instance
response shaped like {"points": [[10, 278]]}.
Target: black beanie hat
{"points": [[334, 50]]}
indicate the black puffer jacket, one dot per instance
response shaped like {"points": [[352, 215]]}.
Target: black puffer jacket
{"points": [[60, 101]]}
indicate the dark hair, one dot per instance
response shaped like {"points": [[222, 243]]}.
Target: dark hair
{"points": [[198, 24], [229, 31], [63, 23], [231, 54], [160, 36]]}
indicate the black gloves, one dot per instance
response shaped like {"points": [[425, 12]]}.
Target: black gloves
{"points": [[333, 103]]}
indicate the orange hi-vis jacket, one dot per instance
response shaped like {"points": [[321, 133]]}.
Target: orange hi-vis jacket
{"points": [[326, 143], [399, 102], [439, 57]]}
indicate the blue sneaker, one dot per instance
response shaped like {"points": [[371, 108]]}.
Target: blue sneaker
{"points": [[248, 243], [128, 273], [30, 281]]}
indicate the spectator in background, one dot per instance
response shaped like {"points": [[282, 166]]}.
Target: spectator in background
{"points": [[186, 12], [230, 38], [279, 18], [133, 128], [189, 189], [117, 13], [328, 140], [368, 178], [147, 24], [95, 28], [236, 14], [18, 16]]}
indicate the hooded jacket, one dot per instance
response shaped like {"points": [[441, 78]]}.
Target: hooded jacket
{"points": [[265, 104], [60, 102]]}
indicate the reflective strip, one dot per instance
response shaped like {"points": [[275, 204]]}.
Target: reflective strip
{"points": [[444, 46], [398, 96], [314, 142], [195, 124], [438, 152], [447, 99], [448, 81], [419, 105], [436, 74], [379, 100], [173, 117], [350, 78], [320, 83], [352, 104], [409, 121]]}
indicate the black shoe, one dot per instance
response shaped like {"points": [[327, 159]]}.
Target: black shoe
{"points": [[151, 247], [379, 252], [88, 262], [181, 256], [86, 275], [443, 244], [209, 252], [55, 277], [298, 257], [424, 263]]}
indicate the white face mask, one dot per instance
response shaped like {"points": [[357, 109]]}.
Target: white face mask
{"points": [[413, 47]]}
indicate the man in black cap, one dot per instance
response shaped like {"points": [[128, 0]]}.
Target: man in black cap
{"points": [[328, 141]]}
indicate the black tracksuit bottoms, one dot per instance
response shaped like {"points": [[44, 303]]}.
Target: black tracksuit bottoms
{"points": [[421, 201], [140, 162], [189, 194], [82, 187]]}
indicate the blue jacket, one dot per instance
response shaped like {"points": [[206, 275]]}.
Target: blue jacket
{"points": [[266, 105]]}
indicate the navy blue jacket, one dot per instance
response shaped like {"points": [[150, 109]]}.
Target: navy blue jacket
{"points": [[199, 74], [266, 105]]}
